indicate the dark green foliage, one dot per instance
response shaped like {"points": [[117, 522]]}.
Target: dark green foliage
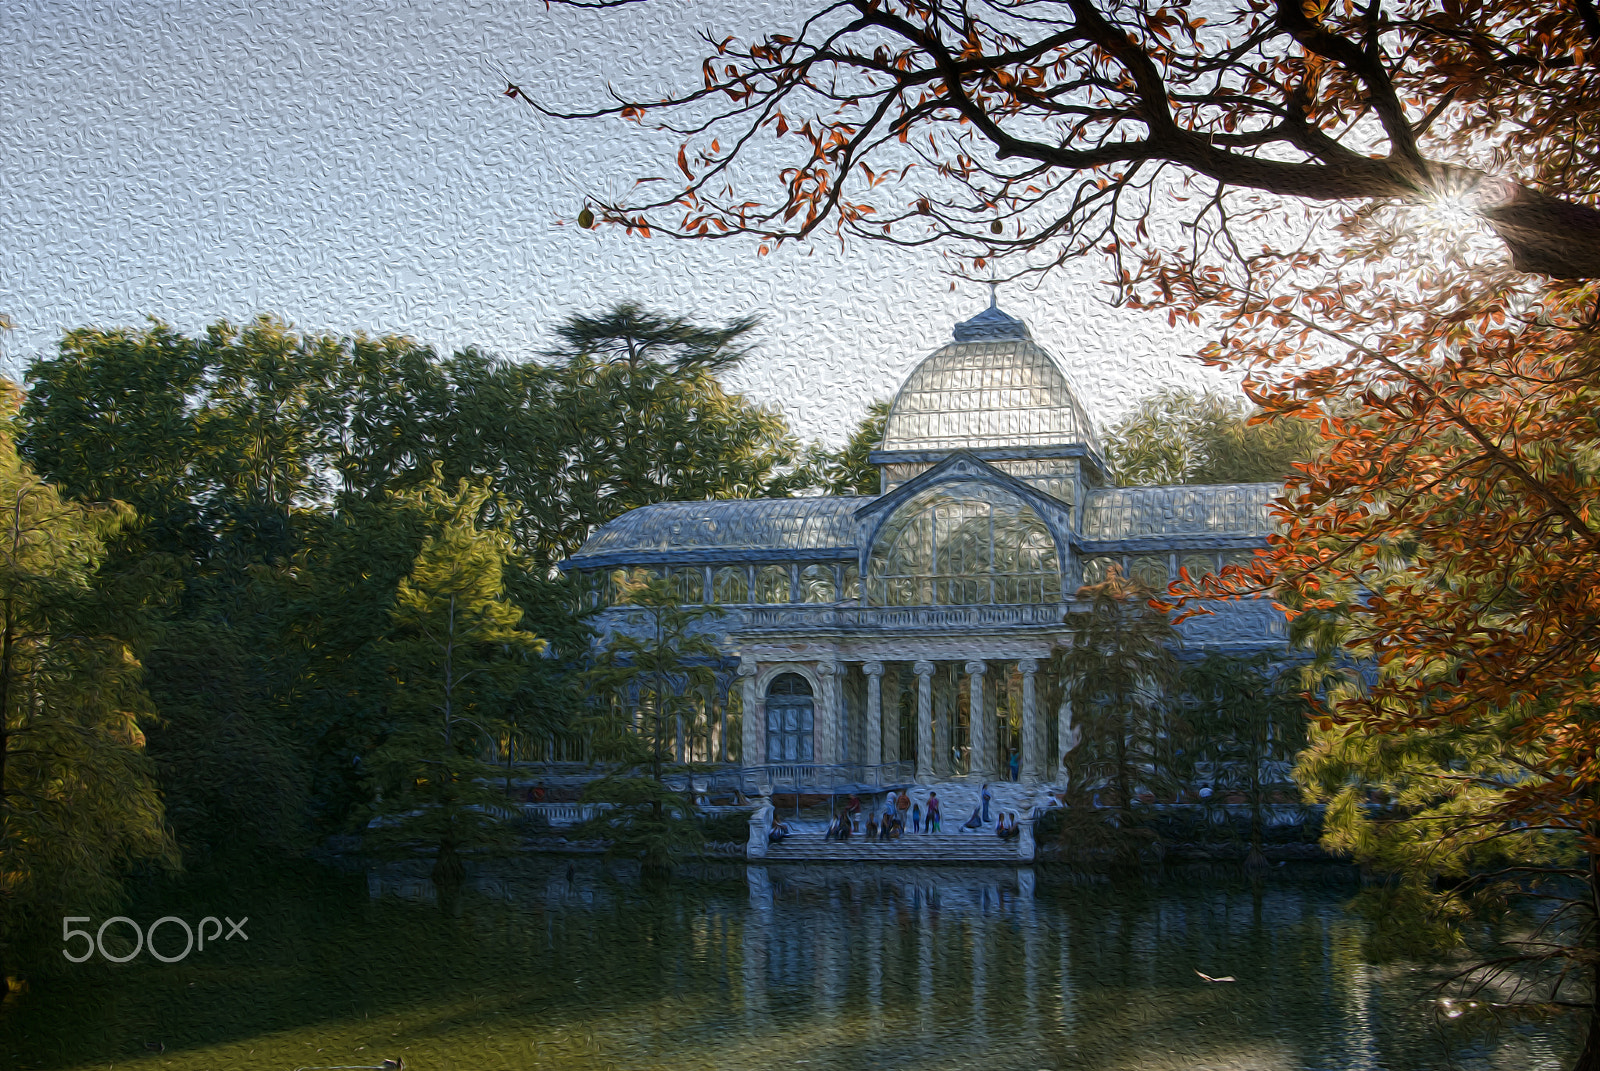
{"points": [[275, 478], [79, 807], [726, 828], [455, 656], [637, 415], [1178, 436], [847, 471], [1245, 722], [1121, 676], [651, 688]]}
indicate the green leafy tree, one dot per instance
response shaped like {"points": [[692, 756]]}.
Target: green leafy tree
{"points": [[642, 417], [847, 471], [1423, 813], [111, 418], [1120, 676], [1178, 436], [652, 680], [457, 655], [1247, 726], [79, 806]]}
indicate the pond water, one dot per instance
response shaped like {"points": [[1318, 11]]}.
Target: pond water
{"points": [[759, 968]]}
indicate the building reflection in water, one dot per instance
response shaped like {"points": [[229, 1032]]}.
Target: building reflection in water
{"points": [[993, 968]]}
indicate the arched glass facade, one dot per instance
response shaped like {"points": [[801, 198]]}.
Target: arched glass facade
{"points": [[816, 583], [772, 584], [790, 714], [730, 586], [963, 544]]}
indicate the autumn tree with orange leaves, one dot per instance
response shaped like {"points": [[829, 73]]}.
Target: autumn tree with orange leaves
{"points": [[1387, 212]]}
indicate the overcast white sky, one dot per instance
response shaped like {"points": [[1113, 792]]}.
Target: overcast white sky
{"points": [[353, 166]]}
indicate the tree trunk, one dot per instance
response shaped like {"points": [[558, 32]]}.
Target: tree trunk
{"points": [[7, 638], [1124, 782], [1256, 859], [1589, 1058], [448, 870], [1547, 235]]}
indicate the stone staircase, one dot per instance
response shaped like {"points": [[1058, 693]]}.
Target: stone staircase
{"points": [[965, 848], [952, 845]]}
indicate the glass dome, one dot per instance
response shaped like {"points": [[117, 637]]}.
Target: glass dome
{"points": [[992, 388]]}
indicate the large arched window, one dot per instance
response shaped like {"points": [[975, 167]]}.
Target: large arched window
{"points": [[789, 719], [772, 584], [816, 583], [963, 544], [730, 586]]}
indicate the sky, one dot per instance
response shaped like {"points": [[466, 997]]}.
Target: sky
{"points": [[355, 167]]}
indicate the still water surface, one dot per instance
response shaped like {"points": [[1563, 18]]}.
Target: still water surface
{"points": [[762, 968]]}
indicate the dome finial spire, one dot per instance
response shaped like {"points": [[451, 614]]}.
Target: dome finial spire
{"points": [[991, 323]]}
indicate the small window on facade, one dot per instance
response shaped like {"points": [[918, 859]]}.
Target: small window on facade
{"points": [[852, 582], [816, 584], [690, 584], [772, 584], [1095, 570], [1152, 571], [616, 587], [1198, 565], [729, 586], [1242, 558]]}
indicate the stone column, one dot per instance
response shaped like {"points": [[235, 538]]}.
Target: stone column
{"points": [[891, 717], [829, 726], [753, 741], [874, 672], [1033, 762], [924, 671], [1067, 734], [979, 725], [945, 714]]}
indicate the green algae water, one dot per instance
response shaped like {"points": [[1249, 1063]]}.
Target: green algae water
{"points": [[757, 968]]}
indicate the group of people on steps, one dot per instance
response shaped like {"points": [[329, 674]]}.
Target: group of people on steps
{"points": [[900, 810]]}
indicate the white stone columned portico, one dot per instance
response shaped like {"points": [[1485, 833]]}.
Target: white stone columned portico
{"points": [[874, 675], [753, 740], [979, 724], [831, 736], [925, 771], [1033, 761]]}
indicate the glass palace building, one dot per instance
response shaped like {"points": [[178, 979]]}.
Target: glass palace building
{"points": [[914, 630]]}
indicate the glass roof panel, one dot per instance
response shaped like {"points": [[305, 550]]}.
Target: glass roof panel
{"points": [[993, 393], [730, 524], [1237, 509]]}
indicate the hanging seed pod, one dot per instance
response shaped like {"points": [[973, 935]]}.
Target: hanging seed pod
{"points": [[996, 227], [586, 219]]}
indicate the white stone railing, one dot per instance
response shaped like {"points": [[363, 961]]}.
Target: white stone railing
{"points": [[815, 776], [900, 617], [562, 815]]}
